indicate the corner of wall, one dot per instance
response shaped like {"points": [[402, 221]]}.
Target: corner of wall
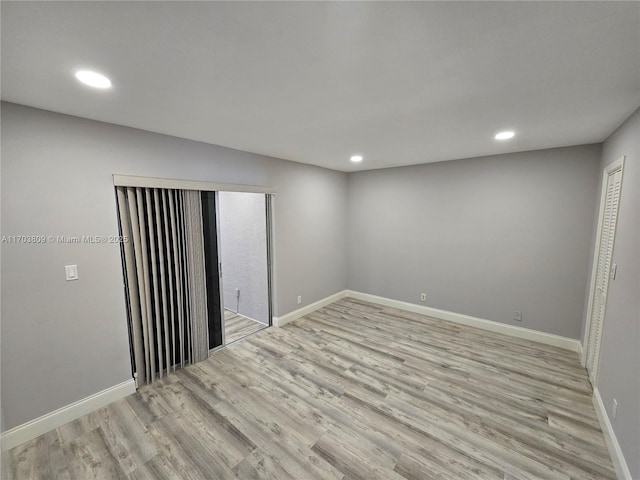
{"points": [[301, 312]]}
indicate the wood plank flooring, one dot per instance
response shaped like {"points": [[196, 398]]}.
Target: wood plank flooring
{"points": [[237, 327], [352, 391]]}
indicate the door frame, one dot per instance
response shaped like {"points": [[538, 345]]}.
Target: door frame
{"points": [[121, 180], [609, 170], [220, 286], [270, 241], [269, 202]]}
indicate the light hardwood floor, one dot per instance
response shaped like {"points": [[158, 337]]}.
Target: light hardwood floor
{"points": [[237, 327], [352, 391]]}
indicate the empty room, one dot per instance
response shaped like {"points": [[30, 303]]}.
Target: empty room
{"points": [[320, 240]]}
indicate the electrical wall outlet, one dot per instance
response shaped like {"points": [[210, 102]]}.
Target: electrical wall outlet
{"points": [[423, 297], [71, 272], [518, 316], [614, 409], [299, 299]]}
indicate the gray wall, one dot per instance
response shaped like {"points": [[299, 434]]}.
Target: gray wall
{"points": [[243, 253], [5, 457], [483, 237], [63, 341], [619, 375]]}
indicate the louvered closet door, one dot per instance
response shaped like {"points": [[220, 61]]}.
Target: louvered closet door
{"points": [[608, 219]]}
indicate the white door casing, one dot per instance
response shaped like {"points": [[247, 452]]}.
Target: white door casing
{"points": [[601, 272]]}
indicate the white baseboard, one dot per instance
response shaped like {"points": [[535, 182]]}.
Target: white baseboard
{"points": [[301, 312], [620, 464], [41, 425], [519, 332]]}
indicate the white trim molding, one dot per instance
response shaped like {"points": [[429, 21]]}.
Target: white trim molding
{"points": [[619, 463], [312, 307], [41, 425], [519, 332], [497, 327]]}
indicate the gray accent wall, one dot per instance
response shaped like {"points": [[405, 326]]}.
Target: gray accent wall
{"points": [[64, 341], [619, 375], [243, 253], [482, 237]]}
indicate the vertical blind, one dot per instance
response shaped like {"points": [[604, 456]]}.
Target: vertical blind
{"points": [[165, 279]]}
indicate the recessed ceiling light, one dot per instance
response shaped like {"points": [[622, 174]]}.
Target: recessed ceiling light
{"points": [[93, 79], [505, 135], [356, 158]]}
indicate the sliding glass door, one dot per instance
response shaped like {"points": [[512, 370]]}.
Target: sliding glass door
{"points": [[236, 247], [243, 234], [197, 273], [212, 268]]}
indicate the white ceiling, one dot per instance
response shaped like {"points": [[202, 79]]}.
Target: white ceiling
{"points": [[401, 83]]}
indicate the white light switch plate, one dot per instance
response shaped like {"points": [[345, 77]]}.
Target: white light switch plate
{"points": [[71, 272]]}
